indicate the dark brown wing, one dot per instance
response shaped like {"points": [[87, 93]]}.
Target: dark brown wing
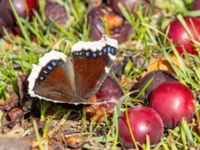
{"points": [[56, 83], [90, 71]]}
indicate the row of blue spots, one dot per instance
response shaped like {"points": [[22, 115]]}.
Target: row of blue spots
{"points": [[78, 53], [48, 68], [111, 50], [88, 53]]}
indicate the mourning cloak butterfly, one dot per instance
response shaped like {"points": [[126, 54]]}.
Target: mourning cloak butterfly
{"points": [[58, 79]]}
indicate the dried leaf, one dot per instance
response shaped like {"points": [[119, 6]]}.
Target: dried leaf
{"points": [[14, 115], [161, 64], [55, 145], [73, 140], [11, 102], [98, 113], [22, 84]]}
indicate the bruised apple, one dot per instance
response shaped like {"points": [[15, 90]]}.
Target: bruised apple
{"points": [[102, 20]]}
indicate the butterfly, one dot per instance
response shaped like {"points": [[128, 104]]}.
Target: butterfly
{"points": [[60, 79]]}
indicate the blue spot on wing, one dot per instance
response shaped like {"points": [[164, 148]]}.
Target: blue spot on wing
{"points": [[113, 51], [94, 54], [108, 49], [100, 53], [45, 72], [80, 53], [49, 67], [41, 78], [104, 50], [54, 63], [87, 54]]}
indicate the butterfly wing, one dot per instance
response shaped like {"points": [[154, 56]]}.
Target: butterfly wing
{"points": [[92, 62], [58, 79], [53, 78]]}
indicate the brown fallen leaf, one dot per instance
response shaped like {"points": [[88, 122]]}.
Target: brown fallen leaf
{"points": [[161, 64], [14, 115], [11, 102], [55, 145], [75, 139], [98, 113], [22, 83], [94, 111]]}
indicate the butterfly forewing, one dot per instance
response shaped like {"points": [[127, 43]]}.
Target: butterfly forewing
{"points": [[90, 73], [57, 85]]}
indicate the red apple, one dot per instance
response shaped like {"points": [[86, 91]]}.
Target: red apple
{"points": [[32, 5], [158, 77], [109, 92], [173, 101], [143, 121], [126, 3], [21, 7], [181, 37], [24, 9], [103, 20], [106, 97], [132, 5], [196, 5], [56, 12]]}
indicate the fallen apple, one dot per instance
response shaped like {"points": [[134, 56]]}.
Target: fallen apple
{"points": [[143, 121], [184, 40], [173, 101], [158, 77]]}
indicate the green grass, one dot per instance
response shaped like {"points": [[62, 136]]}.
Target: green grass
{"points": [[148, 32]]}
